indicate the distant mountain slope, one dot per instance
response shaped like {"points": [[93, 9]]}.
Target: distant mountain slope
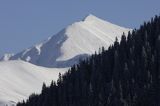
{"points": [[19, 79], [72, 43]]}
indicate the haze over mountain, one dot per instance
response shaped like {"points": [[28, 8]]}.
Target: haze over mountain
{"points": [[71, 44]]}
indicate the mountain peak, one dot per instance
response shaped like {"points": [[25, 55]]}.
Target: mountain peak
{"points": [[90, 17], [71, 44]]}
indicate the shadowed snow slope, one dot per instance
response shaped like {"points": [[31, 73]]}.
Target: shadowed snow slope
{"points": [[72, 43], [19, 79]]}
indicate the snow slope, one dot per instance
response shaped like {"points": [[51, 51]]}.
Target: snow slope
{"points": [[19, 79], [72, 43]]}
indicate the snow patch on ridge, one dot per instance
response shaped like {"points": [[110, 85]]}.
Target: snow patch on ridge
{"points": [[38, 47], [28, 58]]}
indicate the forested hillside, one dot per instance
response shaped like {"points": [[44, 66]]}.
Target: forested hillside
{"points": [[127, 74]]}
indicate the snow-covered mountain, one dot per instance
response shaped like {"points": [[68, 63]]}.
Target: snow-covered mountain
{"points": [[19, 79], [72, 43]]}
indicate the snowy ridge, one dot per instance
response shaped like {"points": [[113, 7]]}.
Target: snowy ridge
{"points": [[72, 43]]}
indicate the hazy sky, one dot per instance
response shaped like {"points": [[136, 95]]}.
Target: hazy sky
{"points": [[24, 23]]}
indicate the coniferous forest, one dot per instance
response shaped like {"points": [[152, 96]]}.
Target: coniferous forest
{"points": [[126, 74]]}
